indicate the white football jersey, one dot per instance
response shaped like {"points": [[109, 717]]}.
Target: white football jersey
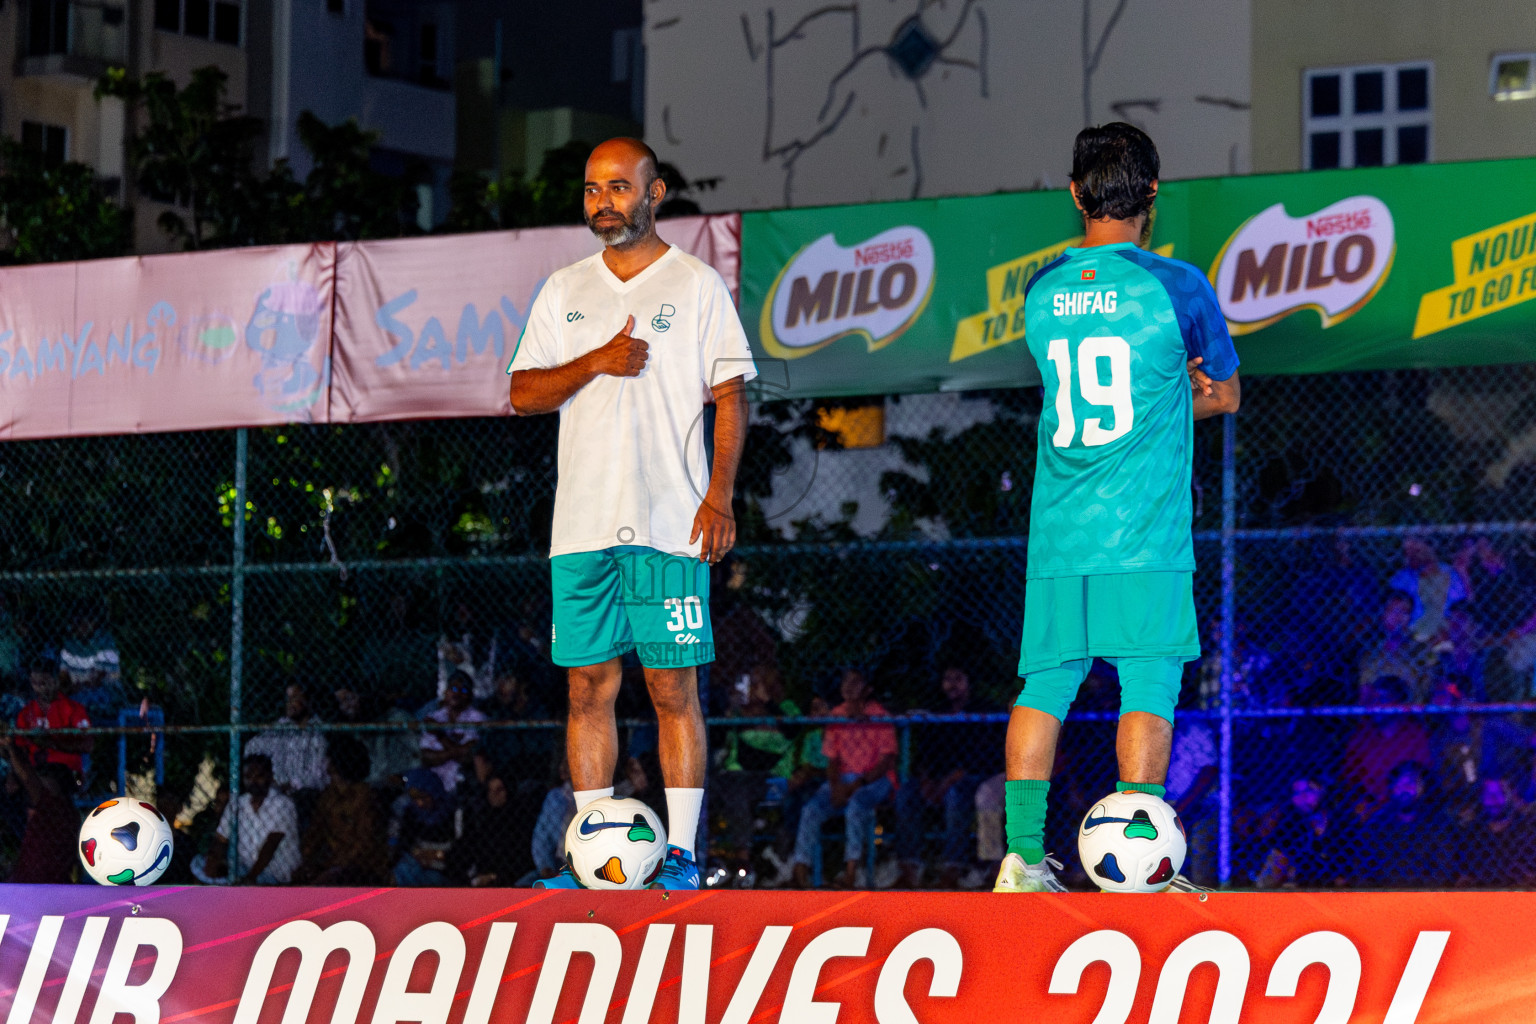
{"points": [[632, 468]]}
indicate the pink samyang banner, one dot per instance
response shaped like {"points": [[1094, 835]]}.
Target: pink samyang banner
{"points": [[425, 327], [357, 332], [183, 342]]}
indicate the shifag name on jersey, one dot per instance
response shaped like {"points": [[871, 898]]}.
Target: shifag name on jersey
{"points": [[1079, 303]]}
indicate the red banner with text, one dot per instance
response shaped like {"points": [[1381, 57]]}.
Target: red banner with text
{"points": [[252, 956]]}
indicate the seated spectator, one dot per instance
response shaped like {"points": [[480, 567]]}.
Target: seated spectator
{"points": [[1493, 584], [298, 755], [495, 847], [90, 662], [1467, 748], [391, 751], [447, 752], [949, 762], [47, 855], [1406, 843], [1382, 742], [548, 843], [423, 830], [1462, 652], [522, 756], [50, 708], [268, 826], [751, 757], [1395, 652], [1431, 586], [1308, 842], [861, 775], [344, 843], [463, 647], [1498, 845]]}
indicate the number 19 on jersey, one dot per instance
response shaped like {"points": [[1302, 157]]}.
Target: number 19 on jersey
{"points": [[1116, 394]]}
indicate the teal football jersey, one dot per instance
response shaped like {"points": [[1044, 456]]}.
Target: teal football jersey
{"points": [[1111, 328]]}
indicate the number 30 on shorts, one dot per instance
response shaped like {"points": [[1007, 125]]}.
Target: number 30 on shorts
{"points": [[1116, 394], [686, 613]]}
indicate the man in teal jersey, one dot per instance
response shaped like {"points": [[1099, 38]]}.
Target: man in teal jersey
{"points": [[1118, 333]]}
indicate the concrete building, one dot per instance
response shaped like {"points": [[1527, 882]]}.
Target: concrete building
{"points": [[1344, 83], [801, 103], [388, 63]]}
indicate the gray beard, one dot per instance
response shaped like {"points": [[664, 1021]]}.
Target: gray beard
{"points": [[626, 234]]}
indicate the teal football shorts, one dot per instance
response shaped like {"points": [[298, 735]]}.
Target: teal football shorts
{"points": [[629, 597], [1143, 622]]}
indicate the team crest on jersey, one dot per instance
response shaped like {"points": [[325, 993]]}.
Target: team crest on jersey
{"points": [[659, 321]]}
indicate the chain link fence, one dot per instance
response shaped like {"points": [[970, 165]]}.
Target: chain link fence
{"points": [[1366, 590]]}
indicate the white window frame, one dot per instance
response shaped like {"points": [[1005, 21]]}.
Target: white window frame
{"points": [[1525, 93], [1347, 122]]}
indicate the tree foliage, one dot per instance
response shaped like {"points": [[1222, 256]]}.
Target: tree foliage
{"points": [[49, 214]]}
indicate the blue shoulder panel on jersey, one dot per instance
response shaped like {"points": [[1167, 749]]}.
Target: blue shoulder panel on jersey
{"points": [[1201, 321], [1043, 271]]}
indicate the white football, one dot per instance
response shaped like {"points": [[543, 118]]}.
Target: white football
{"points": [[615, 843], [1131, 842], [125, 842]]}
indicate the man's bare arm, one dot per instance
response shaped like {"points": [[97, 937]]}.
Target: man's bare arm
{"points": [[1224, 396], [540, 391], [715, 521]]}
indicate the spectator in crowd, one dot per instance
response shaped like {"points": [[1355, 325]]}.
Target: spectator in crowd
{"points": [[751, 757], [1191, 790], [559, 807], [743, 642], [391, 751], [298, 754], [268, 826], [861, 775], [1498, 845], [495, 847], [1467, 748], [1395, 652], [1431, 586], [1406, 843], [91, 664], [344, 843], [448, 752], [50, 708], [1493, 584], [47, 854], [950, 761], [520, 756], [1382, 742], [463, 647], [1461, 651], [171, 801], [1252, 679], [423, 830], [1307, 842]]}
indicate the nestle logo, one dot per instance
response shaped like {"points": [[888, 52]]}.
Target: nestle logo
{"points": [[875, 288], [1332, 261], [885, 252]]}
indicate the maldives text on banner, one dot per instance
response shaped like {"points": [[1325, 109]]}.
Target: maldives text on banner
{"points": [[1430, 265], [75, 953], [323, 333]]}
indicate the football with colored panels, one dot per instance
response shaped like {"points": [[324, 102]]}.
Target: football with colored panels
{"points": [[615, 843], [125, 842], [1131, 842]]}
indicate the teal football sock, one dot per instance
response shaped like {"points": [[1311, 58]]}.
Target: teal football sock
{"points": [[1141, 787]]}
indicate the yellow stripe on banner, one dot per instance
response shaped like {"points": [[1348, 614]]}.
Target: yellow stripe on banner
{"points": [[1494, 270]]}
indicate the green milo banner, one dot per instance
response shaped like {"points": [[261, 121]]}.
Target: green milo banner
{"points": [[1422, 266]]}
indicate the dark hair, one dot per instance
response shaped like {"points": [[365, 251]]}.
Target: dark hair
{"points": [[348, 757], [253, 759], [1408, 768], [460, 680], [1114, 167], [1393, 688]]}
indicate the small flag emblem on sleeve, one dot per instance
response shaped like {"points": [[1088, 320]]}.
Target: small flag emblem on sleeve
{"points": [[1088, 275]]}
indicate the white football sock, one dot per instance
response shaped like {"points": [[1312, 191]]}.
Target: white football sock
{"points": [[586, 796], [683, 808]]}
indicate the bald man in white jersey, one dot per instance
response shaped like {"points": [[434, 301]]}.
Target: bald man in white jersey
{"points": [[640, 515]]}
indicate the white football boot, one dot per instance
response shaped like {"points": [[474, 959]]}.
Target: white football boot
{"points": [[1017, 876]]}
